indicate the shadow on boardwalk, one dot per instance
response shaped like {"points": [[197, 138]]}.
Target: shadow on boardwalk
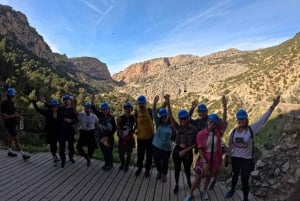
{"points": [[37, 179]]}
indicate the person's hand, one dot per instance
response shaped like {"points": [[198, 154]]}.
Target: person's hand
{"points": [[224, 101], [275, 102], [93, 97], [156, 99], [167, 98], [42, 99], [67, 120], [194, 104]]}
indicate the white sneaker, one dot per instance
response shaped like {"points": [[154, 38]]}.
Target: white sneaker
{"points": [[205, 195]]}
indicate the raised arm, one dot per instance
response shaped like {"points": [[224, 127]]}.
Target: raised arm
{"points": [[154, 109], [193, 106], [224, 102], [172, 120]]}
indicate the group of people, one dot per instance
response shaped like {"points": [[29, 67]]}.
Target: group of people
{"points": [[155, 129]]}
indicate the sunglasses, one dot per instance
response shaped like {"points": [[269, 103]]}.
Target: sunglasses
{"points": [[185, 118], [241, 119], [210, 122]]}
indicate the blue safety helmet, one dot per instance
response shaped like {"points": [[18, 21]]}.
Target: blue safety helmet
{"points": [[241, 114], [104, 106], [163, 112], [66, 97], [183, 114], [11, 92], [214, 117], [54, 102], [202, 107], [141, 100], [127, 104], [88, 105]]}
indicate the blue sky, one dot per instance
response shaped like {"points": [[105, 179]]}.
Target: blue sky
{"points": [[123, 32]]}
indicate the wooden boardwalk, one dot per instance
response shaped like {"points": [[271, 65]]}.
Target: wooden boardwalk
{"points": [[37, 180]]}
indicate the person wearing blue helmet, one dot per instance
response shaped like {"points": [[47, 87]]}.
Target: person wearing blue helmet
{"points": [[10, 118], [209, 159], [52, 124], [125, 131], [201, 121], [185, 138], [241, 147], [144, 134], [68, 118], [88, 120], [162, 145], [107, 128]]}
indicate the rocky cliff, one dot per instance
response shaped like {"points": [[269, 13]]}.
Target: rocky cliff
{"points": [[277, 174], [87, 70]]}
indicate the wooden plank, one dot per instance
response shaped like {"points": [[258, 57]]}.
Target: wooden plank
{"points": [[81, 182], [135, 188], [105, 181], [153, 190], [129, 186], [122, 184], [37, 179]]}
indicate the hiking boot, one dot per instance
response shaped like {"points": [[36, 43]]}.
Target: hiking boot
{"points": [[72, 160], [229, 194], [26, 156], [205, 195], [176, 189], [138, 172], [121, 167], [147, 174], [126, 168], [55, 161], [188, 198], [212, 185], [12, 154], [107, 167]]}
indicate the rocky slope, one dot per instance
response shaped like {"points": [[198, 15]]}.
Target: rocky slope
{"points": [[277, 174], [15, 26]]}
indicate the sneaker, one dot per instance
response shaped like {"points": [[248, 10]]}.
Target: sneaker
{"points": [[121, 167], [188, 198], [229, 194], [12, 154], [158, 176], [212, 185], [205, 195], [138, 172], [55, 161], [72, 160], [126, 168], [176, 189], [26, 156], [147, 174]]}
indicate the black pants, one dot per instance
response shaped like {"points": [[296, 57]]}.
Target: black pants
{"points": [[187, 161], [66, 136], [144, 146], [52, 139], [108, 153], [161, 160], [125, 150], [86, 138], [243, 166]]}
